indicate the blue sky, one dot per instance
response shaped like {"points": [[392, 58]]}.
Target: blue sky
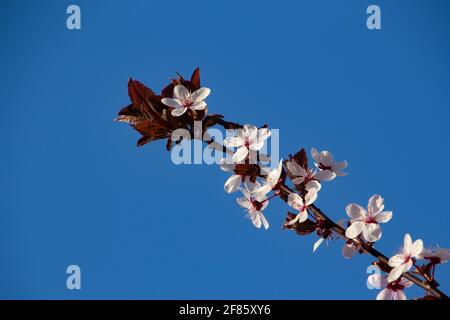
{"points": [[76, 190]]}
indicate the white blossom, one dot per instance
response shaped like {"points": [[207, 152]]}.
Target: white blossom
{"points": [[325, 162], [436, 255], [234, 181], [250, 138], [367, 222], [403, 261], [390, 291], [272, 179], [349, 249], [183, 100], [254, 208], [297, 202], [301, 175]]}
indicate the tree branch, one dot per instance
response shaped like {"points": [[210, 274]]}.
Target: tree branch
{"points": [[368, 249]]}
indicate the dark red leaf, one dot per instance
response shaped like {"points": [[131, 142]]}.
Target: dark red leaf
{"points": [[301, 158], [195, 79], [151, 131], [138, 92], [141, 98]]}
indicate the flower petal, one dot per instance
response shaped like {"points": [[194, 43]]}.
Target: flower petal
{"points": [[298, 180], [232, 142], [372, 232], [348, 250], [315, 155], [178, 111], [325, 175], [274, 175], [443, 254], [180, 92], [416, 248], [399, 295], [263, 134], [339, 173], [302, 216], [174, 103], [200, 95], [261, 191], [407, 244], [295, 201], [244, 203], [383, 217], [317, 244], [240, 154], [337, 168], [295, 220], [326, 158], [396, 273], [198, 105], [396, 260], [246, 194], [385, 294], [256, 220], [406, 283], [355, 229], [355, 211], [256, 145], [249, 131], [376, 204], [340, 165], [408, 265], [264, 222], [310, 197], [313, 184], [295, 169], [233, 183]]}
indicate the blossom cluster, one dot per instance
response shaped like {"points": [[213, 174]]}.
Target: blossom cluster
{"points": [[394, 283], [182, 102]]}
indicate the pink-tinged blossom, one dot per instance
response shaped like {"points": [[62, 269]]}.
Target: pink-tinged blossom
{"points": [[297, 202], [435, 255], [390, 290], [317, 244], [349, 249], [367, 222], [403, 261], [310, 178], [325, 162], [272, 179], [250, 138], [254, 208], [183, 100]]}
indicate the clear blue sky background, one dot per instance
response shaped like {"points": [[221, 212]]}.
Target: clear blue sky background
{"points": [[76, 190]]}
